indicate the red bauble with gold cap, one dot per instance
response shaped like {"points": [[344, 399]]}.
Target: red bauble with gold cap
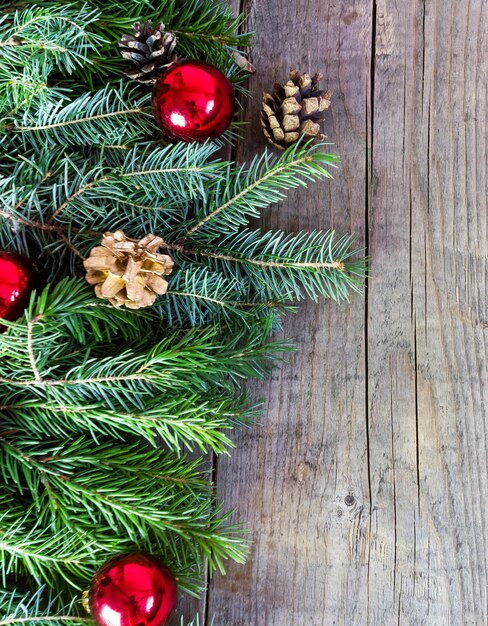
{"points": [[132, 590], [17, 279], [193, 101]]}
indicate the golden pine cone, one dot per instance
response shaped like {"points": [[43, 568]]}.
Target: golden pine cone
{"points": [[294, 109], [128, 272]]}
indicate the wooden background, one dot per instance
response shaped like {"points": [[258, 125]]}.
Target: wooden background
{"points": [[365, 488]]}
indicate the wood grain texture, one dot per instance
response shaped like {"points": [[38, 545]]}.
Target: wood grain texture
{"points": [[426, 345], [365, 487]]}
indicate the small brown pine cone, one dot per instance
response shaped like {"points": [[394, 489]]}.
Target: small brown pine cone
{"points": [[151, 50], [128, 272], [294, 109]]}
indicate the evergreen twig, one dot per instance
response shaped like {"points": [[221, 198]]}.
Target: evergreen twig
{"points": [[39, 609]]}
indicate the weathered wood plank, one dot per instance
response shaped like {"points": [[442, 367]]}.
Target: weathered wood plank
{"points": [[300, 479], [395, 544], [427, 345]]}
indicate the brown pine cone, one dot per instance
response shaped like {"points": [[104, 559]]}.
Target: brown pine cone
{"points": [[128, 272], [294, 109], [150, 49]]}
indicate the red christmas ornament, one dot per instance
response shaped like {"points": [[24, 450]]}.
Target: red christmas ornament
{"points": [[17, 279], [132, 590], [193, 101]]}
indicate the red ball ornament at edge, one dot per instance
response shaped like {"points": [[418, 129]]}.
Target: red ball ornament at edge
{"points": [[193, 101], [132, 590], [18, 278]]}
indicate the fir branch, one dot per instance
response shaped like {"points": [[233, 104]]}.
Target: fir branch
{"points": [[36, 40], [172, 360], [179, 422], [286, 267], [202, 19], [75, 490], [61, 32], [27, 547], [62, 373], [44, 608], [41, 608], [246, 191], [113, 115], [177, 171], [30, 350], [48, 620], [69, 310], [197, 295], [19, 87]]}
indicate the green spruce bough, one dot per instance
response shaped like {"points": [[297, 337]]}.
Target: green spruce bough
{"points": [[99, 407]]}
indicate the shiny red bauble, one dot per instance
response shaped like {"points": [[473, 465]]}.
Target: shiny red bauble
{"points": [[17, 279], [193, 101], [132, 590]]}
